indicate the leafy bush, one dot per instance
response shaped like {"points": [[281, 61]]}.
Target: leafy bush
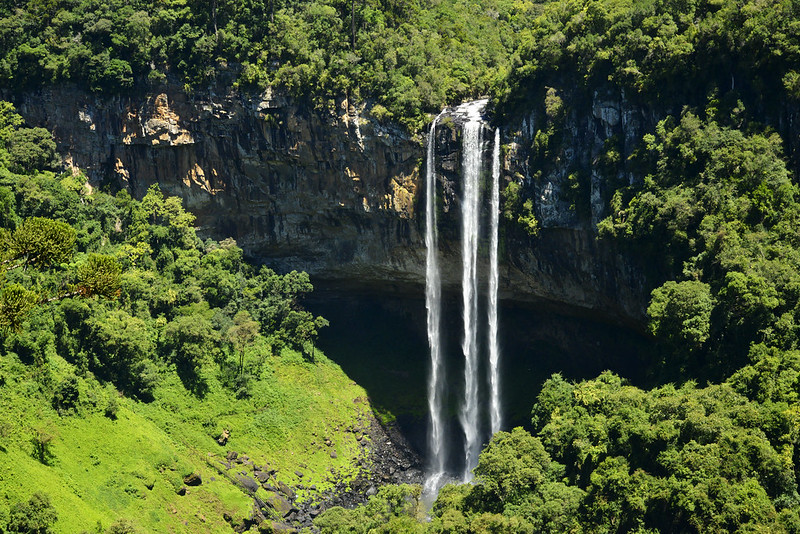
{"points": [[36, 516], [66, 395]]}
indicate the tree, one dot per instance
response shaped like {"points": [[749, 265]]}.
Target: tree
{"points": [[680, 312], [121, 345], [42, 441], [15, 303], [394, 509], [10, 120], [242, 334], [32, 149], [191, 340], [8, 215], [512, 465], [99, 275], [40, 242], [37, 516], [302, 328], [66, 395]]}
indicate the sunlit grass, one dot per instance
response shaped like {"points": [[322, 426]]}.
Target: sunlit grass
{"points": [[100, 469]]}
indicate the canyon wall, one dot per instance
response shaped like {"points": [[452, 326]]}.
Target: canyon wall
{"points": [[338, 194]]}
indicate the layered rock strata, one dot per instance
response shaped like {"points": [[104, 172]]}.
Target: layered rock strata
{"points": [[337, 193]]}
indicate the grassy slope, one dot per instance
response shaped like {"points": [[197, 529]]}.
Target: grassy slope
{"points": [[100, 468]]}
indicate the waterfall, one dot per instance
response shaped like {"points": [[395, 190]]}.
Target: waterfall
{"points": [[436, 448], [495, 417], [471, 168], [470, 408]]}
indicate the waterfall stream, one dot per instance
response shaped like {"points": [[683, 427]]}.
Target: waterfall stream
{"points": [[470, 408], [433, 291], [470, 211], [495, 417]]}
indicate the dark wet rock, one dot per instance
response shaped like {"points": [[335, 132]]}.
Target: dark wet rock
{"points": [[385, 457], [250, 485], [193, 479], [281, 527], [286, 490], [337, 193], [280, 505]]}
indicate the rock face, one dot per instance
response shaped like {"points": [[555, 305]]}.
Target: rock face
{"points": [[565, 265], [328, 192], [336, 193], [571, 190]]}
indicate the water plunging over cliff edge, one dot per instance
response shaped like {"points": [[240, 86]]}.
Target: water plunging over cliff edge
{"points": [[339, 194], [495, 413], [471, 411], [433, 304], [470, 196]]}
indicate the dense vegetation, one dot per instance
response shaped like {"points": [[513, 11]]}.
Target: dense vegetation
{"points": [[406, 57], [133, 354], [409, 58], [609, 457], [662, 53], [169, 296]]}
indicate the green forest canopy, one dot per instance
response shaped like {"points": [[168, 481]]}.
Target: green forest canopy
{"points": [[160, 295], [408, 57]]}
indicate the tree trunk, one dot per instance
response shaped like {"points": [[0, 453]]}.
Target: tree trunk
{"points": [[214, 15]]}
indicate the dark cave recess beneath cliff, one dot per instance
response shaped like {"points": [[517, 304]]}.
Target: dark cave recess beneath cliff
{"points": [[381, 342]]}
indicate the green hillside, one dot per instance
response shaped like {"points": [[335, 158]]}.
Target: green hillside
{"points": [[134, 355]]}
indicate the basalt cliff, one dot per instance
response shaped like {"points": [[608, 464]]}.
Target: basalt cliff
{"points": [[337, 193]]}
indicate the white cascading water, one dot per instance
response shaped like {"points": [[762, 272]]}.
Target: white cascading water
{"points": [[495, 415], [470, 410], [470, 204], [433, 291]]}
